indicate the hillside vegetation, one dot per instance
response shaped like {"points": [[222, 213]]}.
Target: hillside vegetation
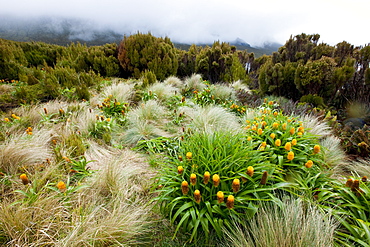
{"points": [[143, 144]]}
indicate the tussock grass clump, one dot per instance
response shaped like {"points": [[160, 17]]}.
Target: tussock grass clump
{"points": [[123, 92], [315, 126], [162, 91], [293, 223], [333, 153], [174, 82], [23, 150], [148, 111], [212, 118], [223, 93], [194, 82]]}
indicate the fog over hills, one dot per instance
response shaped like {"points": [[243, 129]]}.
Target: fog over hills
{"points": [[63, 31]]}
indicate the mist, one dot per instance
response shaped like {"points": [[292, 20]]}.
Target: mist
{"points": [[255, 22]]}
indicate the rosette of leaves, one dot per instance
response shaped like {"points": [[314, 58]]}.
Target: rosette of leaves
{"points": [[211, 182], [289, 146]]}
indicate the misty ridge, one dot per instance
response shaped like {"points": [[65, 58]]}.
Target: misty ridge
{"points": [[63, 31]]}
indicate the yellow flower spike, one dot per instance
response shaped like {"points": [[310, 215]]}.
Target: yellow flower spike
{"points": [[206, 177], [290, 156], [185, 187], [180, 169], [236, 185], [193, 179], [264, 178], [61, 186], [6, 119], [259, 131], [309, 164], [189, 155], [272, 135], [24, 179], [249, 138], [301, 129], [292, 131], [278, 142], [230, 202], [14, 116], [294, 142], [275, 125], [220, 197], [250, 171], [288, 146], [316, 149], [197, 196], [216, 180]]}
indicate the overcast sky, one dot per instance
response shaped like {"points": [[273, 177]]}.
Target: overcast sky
{"points": [[197, 21]]}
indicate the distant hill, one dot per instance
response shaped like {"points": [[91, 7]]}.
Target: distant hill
{"points": [[61, 31]]}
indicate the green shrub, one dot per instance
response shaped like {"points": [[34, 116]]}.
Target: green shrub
{"points": [[214, 178]]}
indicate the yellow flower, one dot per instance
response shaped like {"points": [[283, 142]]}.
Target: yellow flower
{"points": [[108, 119], [220, 197], [275, 125], [263, 123], [284, 126], [292, 131], [189, 155], [272, 135], [288, 146], [193, 179], [316, 149], [185, 187], [290, 156], [24, 179], [197, 196], [6, 119], [236, 185], [301, 129], [260, 131], [263, 144], [14, 116], [254, 128], [206, 177], [230, 202], [216, 180], [271, 102], [61, 186], [309, 164], [250, 171], [294, 142], [180, 157], [275, 113], [289, 120], [299, 133], [278, 142], [249, 138], [180, 169]]}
